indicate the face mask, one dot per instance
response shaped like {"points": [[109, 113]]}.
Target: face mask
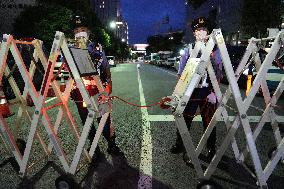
{"points": [[200, 35], [82, 34]]}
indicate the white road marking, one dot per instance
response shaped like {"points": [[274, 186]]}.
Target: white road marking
{"points": [[145, 178], [274, 77], [171, 73], [253, 119]]}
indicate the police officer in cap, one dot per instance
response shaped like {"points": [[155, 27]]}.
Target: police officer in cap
{"points": [[202, 96], [82, 34]]}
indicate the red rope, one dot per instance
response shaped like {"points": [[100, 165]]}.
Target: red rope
{"points": [[53, 106], [136, 105], [147, 106]]}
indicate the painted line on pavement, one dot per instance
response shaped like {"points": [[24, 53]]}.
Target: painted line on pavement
{"points": [[252, 119], [171, 73], [145, 178]]}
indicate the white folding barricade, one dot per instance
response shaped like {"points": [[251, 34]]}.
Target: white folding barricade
{"points": [[190, 79], [268, 114], [95, 110], [22, 99], [9, 44]]}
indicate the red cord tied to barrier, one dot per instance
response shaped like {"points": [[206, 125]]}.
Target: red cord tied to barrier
{"points": [[165, 101], [161, 103]]}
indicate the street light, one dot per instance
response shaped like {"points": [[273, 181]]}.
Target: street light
{"points": [[123, 40], [112, 24]]}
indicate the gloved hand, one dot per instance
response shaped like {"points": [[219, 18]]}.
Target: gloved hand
{"points": [[212, 98]]}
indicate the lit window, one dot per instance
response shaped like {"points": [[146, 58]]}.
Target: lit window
{"points": [[103, 6], [103, 2]]}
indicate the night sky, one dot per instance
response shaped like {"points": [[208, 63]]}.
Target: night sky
{"points": [[143, 15]]}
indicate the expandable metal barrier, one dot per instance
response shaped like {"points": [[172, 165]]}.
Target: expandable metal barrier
{"points": [[190, 78], [40, 113]]}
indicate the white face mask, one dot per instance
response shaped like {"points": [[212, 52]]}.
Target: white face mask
{"points": [[82, 34], [201, 35]]}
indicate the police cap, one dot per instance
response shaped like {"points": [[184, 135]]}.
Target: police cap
{"points": [[200, 22], [79, 21]]}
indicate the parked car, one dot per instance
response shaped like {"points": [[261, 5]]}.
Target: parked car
{"points": [[162, 62], [147, 59], [111, 60], [274, 74], [140, 59], [236, 54], [171, 61], [155, 61]]}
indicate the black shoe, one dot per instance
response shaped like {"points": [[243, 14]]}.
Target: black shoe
{"points": [[96, 155], [186, 159], [177, 149], [113, 149]]}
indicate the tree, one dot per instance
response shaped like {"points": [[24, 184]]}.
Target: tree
{"points": [[258, 15], [43, 26], [56, 15], [75, 5]]}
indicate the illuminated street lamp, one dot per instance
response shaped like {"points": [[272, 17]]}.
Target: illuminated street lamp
{"points": [[112, 25], [123, 40]]}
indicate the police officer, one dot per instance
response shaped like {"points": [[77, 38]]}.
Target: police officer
{"points": [[202, 96], [82, 34]]}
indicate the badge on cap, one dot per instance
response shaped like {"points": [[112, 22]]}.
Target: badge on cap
{"points": [[78, 21]]}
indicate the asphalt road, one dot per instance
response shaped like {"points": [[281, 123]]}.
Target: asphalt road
{"points": [[145, 136]]}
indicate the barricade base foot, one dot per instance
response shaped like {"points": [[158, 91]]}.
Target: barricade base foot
{"points": [[66, 181], [207, 184]]}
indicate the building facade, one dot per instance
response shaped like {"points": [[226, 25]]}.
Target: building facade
{"points": [[106, 10], [109, 11], [121, 29], [9, 11], [224, 14]]}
